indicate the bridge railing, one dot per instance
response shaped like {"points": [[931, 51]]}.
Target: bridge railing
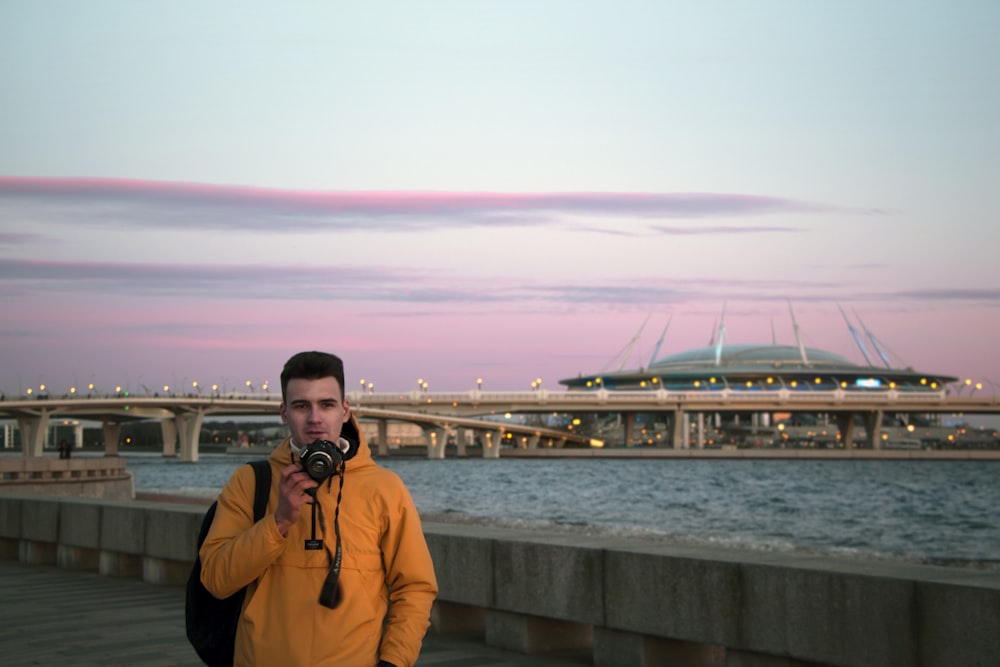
{"points": [[658, 395]]}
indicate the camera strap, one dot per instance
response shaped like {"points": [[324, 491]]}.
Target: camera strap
{"points": [[330, 595], [313, 544]]}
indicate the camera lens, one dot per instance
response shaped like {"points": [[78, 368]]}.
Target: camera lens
{"points": [[319, 465], [320, 459]]}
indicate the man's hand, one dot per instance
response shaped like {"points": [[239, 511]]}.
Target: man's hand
{"points": [[292, 495]]}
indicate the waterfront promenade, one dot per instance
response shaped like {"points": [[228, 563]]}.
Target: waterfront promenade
{"points": [[50, 616], [117, 597]]}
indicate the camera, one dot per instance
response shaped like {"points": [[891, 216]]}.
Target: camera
{"points": [[320, 459]]}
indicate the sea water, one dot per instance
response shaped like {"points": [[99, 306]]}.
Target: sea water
{"points": [[945, 512]]}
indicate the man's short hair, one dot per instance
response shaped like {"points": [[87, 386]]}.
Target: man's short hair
{"points": [[312, 366]]}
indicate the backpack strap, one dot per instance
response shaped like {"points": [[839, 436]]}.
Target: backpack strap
{"points": [[262, 489]]}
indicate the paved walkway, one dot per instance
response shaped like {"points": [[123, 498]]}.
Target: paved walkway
{"points": [[61, 618]]}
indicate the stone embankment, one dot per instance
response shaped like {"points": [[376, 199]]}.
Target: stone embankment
{"points": [[618, 603]]}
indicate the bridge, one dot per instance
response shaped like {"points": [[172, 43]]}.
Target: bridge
{"points": [[487, 413], [181, 418]]}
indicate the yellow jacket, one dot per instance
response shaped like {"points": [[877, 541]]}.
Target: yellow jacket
{"points": [[386, 576]]}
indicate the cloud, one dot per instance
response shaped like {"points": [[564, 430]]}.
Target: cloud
{"points": [[380, 284], [951, 294], [716, 229], [19, 238], [201, 206], [429, 287]]}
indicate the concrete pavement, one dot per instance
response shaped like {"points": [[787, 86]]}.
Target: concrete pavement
{"points": [[61, 618]]}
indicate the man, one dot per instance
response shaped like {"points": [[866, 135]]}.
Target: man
{"points": [[376, 605]]}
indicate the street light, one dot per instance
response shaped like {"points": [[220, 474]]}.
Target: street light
{"points": [[479, 384]]}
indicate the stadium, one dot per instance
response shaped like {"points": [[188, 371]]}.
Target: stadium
{"points": [[773, 367]]}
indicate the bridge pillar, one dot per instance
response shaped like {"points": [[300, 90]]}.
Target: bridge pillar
{"points": [[686, 429], [189, 430], [33, 433], [845, 424], [436, 440], [78, 435], [491, 444], [533, 441], [168, 429], [701, 430], [629, 420], [383, 437], [677, 426], [112, 431], [460, 434], [873, 429]]}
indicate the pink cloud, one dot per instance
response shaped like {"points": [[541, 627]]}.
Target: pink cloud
{"points": [[506, 208]]}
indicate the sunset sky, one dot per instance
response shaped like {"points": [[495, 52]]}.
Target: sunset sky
{"points": [[193, 191]]}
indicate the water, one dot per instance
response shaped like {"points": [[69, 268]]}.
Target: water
{"points": [[941, 512]]}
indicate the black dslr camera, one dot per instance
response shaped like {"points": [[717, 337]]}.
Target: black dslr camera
{"points": [[320, 459]]}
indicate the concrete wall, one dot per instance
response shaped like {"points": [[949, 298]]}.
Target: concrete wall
{"points": [[104, 477], [618, 603]]}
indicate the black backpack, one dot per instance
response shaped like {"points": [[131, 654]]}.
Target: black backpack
{"points": [[211, 622]]}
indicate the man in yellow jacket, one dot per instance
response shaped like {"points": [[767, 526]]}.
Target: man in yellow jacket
{"points": [[338, 571]]}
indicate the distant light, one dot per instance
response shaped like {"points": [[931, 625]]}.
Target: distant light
{"points": [[597, 443], [868, 383]]}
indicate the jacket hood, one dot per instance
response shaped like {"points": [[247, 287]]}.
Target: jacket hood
{"points": [[357, 454], [352, 434]]}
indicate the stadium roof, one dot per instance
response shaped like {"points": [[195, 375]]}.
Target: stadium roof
{"points": [[759, 367]]}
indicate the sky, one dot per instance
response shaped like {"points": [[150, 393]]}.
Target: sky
{"points": [[452, 190]]}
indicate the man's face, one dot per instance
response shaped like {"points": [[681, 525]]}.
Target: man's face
{"points": [[314, 409]]}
